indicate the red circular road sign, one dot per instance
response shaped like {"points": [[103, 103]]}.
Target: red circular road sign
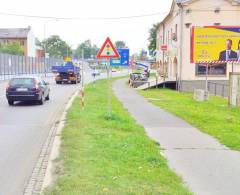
{"points": [[164, 47]]}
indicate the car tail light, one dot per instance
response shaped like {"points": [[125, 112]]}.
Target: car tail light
{"points": [[8, 87], [36, 87]]}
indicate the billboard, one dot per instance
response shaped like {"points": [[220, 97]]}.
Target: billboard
{"points": [[123, 60], [215, 44]]}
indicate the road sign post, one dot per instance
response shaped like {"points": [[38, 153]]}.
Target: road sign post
{"points": [[109, 89], [108, 51], [164, 48]]}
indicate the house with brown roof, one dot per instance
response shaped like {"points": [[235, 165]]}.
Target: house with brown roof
{"points": [[23, 36]]}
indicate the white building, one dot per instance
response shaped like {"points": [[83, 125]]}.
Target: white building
{"points": [[175, 32]]}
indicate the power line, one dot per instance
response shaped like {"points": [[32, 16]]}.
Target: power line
{"points": [[83, 18], [106, 18]]}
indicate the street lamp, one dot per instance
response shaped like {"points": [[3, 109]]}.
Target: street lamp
{"points": [[45, 45]]}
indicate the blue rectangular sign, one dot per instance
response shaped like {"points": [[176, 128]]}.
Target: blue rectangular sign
{"points": [[123, 60]]}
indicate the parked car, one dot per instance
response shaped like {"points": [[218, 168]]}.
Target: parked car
{"points": [[137, 76], [136, 79], [27, 89]]}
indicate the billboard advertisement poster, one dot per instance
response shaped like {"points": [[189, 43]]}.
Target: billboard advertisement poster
{"points": [[123, 60], [215, 44]]}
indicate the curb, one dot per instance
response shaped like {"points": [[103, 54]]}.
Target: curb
{"points": [[42, 169]]}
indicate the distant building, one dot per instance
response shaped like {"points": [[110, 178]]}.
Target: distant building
{"points": [[23, 36], [174, 32], [40, 52]]}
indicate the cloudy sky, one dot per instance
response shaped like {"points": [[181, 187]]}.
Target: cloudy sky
{"points": [[91, 19]]}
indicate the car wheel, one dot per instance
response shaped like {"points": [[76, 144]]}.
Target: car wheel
{"points": [[47, 98], [10, 103], [58, 82], [41, 101], [74, 82]]}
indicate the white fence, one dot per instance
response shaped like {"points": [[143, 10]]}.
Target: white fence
{"points": [[11, 65]]}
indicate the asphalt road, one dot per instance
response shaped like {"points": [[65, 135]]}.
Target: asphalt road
{"points": [[24, 128]]}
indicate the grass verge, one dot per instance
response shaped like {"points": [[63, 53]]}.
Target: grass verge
{"points": [[103, 156], [213, 117]]}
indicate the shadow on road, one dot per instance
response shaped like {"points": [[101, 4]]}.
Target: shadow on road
{"points": [[27, 103]]}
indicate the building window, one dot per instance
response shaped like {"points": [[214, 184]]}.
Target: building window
{"points": [[187, 25], [188, 11], [213, 69], [176, 31], [168, 38], [217, 10], [22, 43], [171, 35]]}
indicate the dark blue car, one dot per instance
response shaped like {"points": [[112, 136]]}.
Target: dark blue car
{"points": [[27, 89]]}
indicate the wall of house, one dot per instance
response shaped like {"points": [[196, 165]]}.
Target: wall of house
{"points": [[199, 16], [170, 61], [22, 42]]}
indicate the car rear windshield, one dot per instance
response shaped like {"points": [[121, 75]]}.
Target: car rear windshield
{"points": [[22, 82]]}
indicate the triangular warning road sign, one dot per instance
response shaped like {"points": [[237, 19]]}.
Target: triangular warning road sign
{"points": [[108, 50]]}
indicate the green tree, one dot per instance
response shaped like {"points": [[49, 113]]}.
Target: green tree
{"points": [[14, 49], [87, 48], [37, 42], [120, 44], [152, 39], [56, 47]]}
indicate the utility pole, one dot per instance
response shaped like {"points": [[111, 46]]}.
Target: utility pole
{"points": [[180, 48], [45, 49], [164, 68], [163, 63], [206, 84]]}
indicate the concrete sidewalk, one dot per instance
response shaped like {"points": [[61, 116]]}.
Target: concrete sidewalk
{"points": [[207, 167]]}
